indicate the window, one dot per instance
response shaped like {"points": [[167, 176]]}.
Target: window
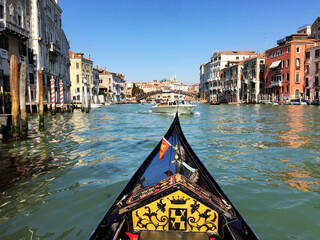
{"points": [[317, 67], [297, 62], [297, 77], [77, 65], [316, 81], [1, 11], [288, 49], [288, 77], [4, 43], [288, 62], [30, 56], [307, 55], [23, 49], [19, 21], [31, 78], [282, 64], [266, 79], [78, 89], [317, 53], [307, 82], [266, 67], [298, 49], [287, 88], [78, 80]]}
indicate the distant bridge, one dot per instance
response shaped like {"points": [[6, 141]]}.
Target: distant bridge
{"points": [[148, 94]]}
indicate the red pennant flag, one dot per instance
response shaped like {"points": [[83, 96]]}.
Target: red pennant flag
{"points": [[164, 147]]}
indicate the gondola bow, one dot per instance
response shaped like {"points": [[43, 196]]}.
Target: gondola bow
{"points": [[173, 198]]}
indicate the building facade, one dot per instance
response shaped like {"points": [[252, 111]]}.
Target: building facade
{"points": [[315, 29], [113, 84], [285, 69], [211, 86], [230, 80], [81, 72], [252, 79], [50, 47], [312, 75], [204, 84], [14, 35], [95, 89]]}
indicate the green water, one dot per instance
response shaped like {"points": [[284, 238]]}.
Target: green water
{"points": [[59, 184]]}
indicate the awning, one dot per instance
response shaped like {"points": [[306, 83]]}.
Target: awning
{"points": [[275, 64]]}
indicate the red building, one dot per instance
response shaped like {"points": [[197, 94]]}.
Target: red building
{"points": [[284, 75]]}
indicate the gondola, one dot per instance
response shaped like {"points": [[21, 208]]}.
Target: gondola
{"points": [[172, 196]]}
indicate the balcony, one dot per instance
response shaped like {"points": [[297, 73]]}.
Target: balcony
{"points": [[14, 29], [54, 48], [276, 84]]}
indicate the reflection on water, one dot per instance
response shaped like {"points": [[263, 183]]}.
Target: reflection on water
{"points": [[293, 134], [69, 175]]}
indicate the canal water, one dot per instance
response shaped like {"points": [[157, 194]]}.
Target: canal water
{"points": [[58, 184]]}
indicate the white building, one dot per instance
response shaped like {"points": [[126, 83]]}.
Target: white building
{"points": [[95, 88], [210, 84], [50, 46], [252, 78], [14, 35]]}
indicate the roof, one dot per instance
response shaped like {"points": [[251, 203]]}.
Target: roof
{"points": [[296, 41], [261, 55], [237, 52], [77, 55]]}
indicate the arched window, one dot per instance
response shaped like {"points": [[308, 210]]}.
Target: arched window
{"points": [[297, 62]]}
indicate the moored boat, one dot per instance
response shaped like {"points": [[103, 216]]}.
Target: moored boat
{"points": [[299, 101], [173, 196], [172, 107], [96, 105]]}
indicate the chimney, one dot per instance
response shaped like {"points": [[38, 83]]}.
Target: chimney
{"points": [[89, 56], [72, 55], [104, 68], [97, 67]]}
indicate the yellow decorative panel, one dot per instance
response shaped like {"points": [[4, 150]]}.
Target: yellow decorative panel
{"points": [[176, 211]]}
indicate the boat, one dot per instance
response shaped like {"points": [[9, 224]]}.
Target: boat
{"points": [[298, 101], [172, 196], [215, 103], [182, 107], [96, 105]]}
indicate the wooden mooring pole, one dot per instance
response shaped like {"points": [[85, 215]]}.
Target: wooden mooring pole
{"points": [[14, 87], [23, 107], [41, 107]]}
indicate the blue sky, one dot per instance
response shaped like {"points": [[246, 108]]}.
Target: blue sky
{"points": [[156, 39]]}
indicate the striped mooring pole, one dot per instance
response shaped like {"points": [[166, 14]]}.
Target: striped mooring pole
{"points": [[61, 96], [53, 96]]}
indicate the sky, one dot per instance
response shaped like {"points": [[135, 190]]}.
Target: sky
{"points": [[149, 40]]}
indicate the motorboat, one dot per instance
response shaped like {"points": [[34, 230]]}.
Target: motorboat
{"points": [[96, 105], [299, 101], [182, 107], [173, 196]]}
